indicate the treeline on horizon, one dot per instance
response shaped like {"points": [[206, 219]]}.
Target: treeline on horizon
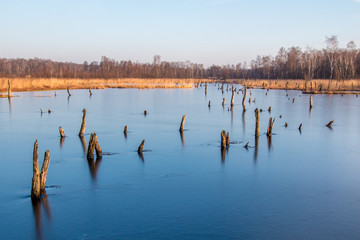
{"points": [[331, 62]]}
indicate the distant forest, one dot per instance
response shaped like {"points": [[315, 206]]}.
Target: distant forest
{"points": [[331, 62]]}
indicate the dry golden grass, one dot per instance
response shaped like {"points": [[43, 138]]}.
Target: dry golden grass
{"points": [[30, 84], [307, 86]]}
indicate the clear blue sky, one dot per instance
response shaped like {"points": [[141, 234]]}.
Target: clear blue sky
{"points": [[202, 31]]}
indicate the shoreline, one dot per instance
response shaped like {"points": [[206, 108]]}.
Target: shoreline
{"points": [[316, 86]]}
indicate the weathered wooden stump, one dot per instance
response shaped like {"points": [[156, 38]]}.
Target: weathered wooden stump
{"points": [[311, 101], [244, 98], [9, 89], [246, 146], [249, 99], [330, 123], [209, 105], [223, 139], [39, 179], [227, 139], [286, 124], [270, 127], [83, 123], [145, 112], [49, 111], [206, 88], [94, 146], [61, 131], [232, 97], [223, 102], [90, 92], [125, 129], [293, 100], [43, 173], [269, 109], [257, 122], [300, 126], [140, 148], [182, 123], [68, 90]]}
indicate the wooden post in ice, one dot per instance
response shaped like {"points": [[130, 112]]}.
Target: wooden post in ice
{"points": [[330, 123], [35, 186], [182, 123], [244, 98], [140, 148], [68, 90], [94, 146], [39, 179], [61, 131], [209, 105], [125, 129], [83, 124], [223, 139], [90, 92], [232, 97], [9, 89], [270, 127], [206, 88], [257, 122], [311, 101], [43, 173], [223, 102]]}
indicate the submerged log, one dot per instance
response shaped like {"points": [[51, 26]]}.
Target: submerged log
{"points": [[182, 123], [257, 122], [330, 123], [83, 123], [140, 148], [270, 127], [61, 131]]}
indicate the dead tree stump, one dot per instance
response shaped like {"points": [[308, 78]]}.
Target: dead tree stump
{"points": [[35, 186], [140, 148], [330, 123], [39, 179], [182, 123], [223, 102], [300, 126], [61, 131], [227, 139], [244, 98], [9, 89], [83, 124], [90, 92], [311, 101], [43, 173], [125, 129], [269, 109], [94, 146], [270, 127], [68, 90], [232, 97], [209, 105], [257, 122], [223, 139]]}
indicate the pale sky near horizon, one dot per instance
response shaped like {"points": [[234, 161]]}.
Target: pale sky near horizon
{"points": [[201, 31]]}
